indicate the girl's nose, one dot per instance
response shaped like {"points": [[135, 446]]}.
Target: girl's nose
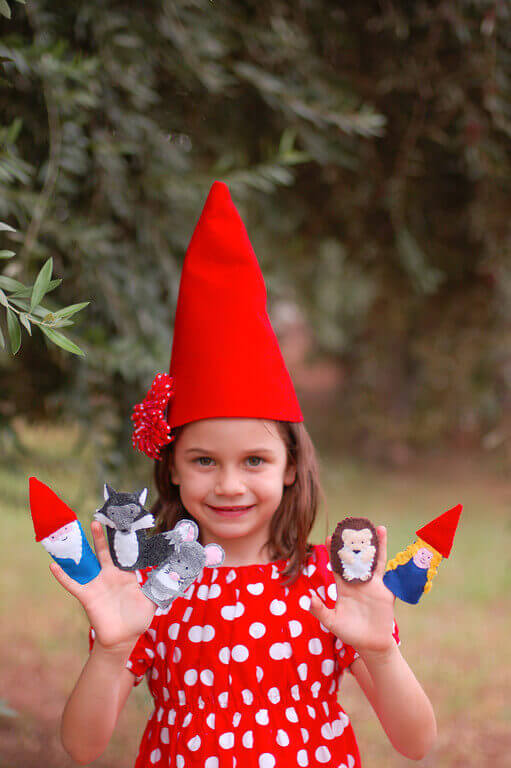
{"points": [[229, 483]]}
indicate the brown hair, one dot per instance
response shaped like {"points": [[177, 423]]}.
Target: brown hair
{"points": [[293, 520]]}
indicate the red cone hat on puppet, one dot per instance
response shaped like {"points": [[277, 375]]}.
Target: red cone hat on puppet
{"points": [[440, 532], [226, 360], [49, 513]]}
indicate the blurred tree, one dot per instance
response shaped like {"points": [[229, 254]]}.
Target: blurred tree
{"points": [[367, 146]]}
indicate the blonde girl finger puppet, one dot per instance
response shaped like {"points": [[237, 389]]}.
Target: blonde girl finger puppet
{"points": [[411, 572], [59, 531]]}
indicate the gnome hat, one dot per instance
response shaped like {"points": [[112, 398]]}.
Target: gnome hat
{"points": [[440, 532], [49, 513], [226, 360]]}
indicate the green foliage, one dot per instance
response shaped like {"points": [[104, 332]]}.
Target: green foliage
{"points": [[367, 148]]}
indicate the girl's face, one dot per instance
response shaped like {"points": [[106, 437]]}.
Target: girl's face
{"points": [[231, 474]]}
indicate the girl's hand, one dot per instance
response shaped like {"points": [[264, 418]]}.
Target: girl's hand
{"points": [[116, 607], [363, 616]]}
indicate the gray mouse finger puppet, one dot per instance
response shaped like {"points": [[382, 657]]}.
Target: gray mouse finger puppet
{"points": [[182, 566], [354, 549], [127, 524]]}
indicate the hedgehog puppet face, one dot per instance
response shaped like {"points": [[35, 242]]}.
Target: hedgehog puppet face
{"points": [[354, 549]]}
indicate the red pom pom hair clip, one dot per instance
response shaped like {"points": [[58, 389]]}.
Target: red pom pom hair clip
{"points": [[152, 431]]}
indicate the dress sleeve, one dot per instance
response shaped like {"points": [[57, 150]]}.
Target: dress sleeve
{"points": [[327, 590], [142, 656]]}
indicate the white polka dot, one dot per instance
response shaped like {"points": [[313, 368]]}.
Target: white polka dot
{"points": [[161, 650], [150, 653], [266, 760], [339, 725], [302, 671], [329, 566], [257, 630], [181, 697], [223, 699], [315, 688], [211, 762], [310, 569], [281, 651], [351, 761], [278, 607], [332, 591], [176, 656], [326, 708], [315, 646], [321, 591], [211, 720], [152, 633], [248, 739], [327, 666], [187, 720], [207, 677], [230, 576], [155, 756], [187, 614], [247, 695], [304, 602], [295, 628], [190, 676], [302, 758], [226, 740], [159, 714], [274, 572], [224, 655], [230, 612], [180, 761], [322, 754], [194, 744], [259, 674], [154, 673], [327, 732], [291, 715], [201, 702], [236, 719], [282, 738], [305, 735], [173, 631], [311, 711], [199, 634], [239, 653], [255, 589], [164, 735], [172, 716], [333, 686], [166, 694], [295, 692], [274, 695], [262, 717]]}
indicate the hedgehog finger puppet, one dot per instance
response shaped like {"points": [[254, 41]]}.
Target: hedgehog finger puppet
{"points": [[354, 550], [59, 531], [410, 573]]}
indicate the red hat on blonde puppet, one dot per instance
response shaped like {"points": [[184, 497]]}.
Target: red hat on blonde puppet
{"points": [[49, 512], [439, 533], [226, 360]]}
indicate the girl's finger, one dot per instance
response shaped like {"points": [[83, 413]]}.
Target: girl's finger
{"points": [[66, 581], [101, 544], [382, 554], [321, 612]]}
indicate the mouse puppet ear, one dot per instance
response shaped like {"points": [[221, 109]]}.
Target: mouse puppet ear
{"points": [[215, 555]]}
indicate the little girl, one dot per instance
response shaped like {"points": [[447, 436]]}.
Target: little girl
{"points": [[245, 667]]}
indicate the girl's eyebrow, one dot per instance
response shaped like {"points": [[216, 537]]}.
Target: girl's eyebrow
{"points": [[250, 450]]}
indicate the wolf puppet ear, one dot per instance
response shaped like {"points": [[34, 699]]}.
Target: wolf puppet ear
{"points": [[142, 497], [107, 491]]}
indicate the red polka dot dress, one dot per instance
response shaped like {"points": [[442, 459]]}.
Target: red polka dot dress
{"points": [[242, 674]]}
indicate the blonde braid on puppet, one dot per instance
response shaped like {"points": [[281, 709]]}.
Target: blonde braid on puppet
{"points": [[410, 573]]}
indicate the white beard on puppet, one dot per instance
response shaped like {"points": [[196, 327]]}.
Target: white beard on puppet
{"points": [[66, 542]]}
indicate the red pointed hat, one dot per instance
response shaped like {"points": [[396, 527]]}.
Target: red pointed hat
{"points": [[440, 532], [49, 513], [226, 360]]}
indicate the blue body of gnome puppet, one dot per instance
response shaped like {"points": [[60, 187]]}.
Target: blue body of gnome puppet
{"points": [[59, 531]]}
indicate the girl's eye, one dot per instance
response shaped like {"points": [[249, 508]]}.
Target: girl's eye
{"points": [[258, 459], [204, 461]]}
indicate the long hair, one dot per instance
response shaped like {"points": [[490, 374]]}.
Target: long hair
{"points": [[406, 555], [294, 518]]}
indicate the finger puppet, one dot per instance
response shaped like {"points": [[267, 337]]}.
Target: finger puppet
{"points": [[127, 524], [58, 530], [410, 573], [354, 549], [182, 566]]}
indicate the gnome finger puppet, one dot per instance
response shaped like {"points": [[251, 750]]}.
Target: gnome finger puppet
{"points": [[59, 531], [410, 573], [186, 561], [127, 524], [354, 549]]}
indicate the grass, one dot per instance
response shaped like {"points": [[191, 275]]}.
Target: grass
{"points": [[456, 639]]}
